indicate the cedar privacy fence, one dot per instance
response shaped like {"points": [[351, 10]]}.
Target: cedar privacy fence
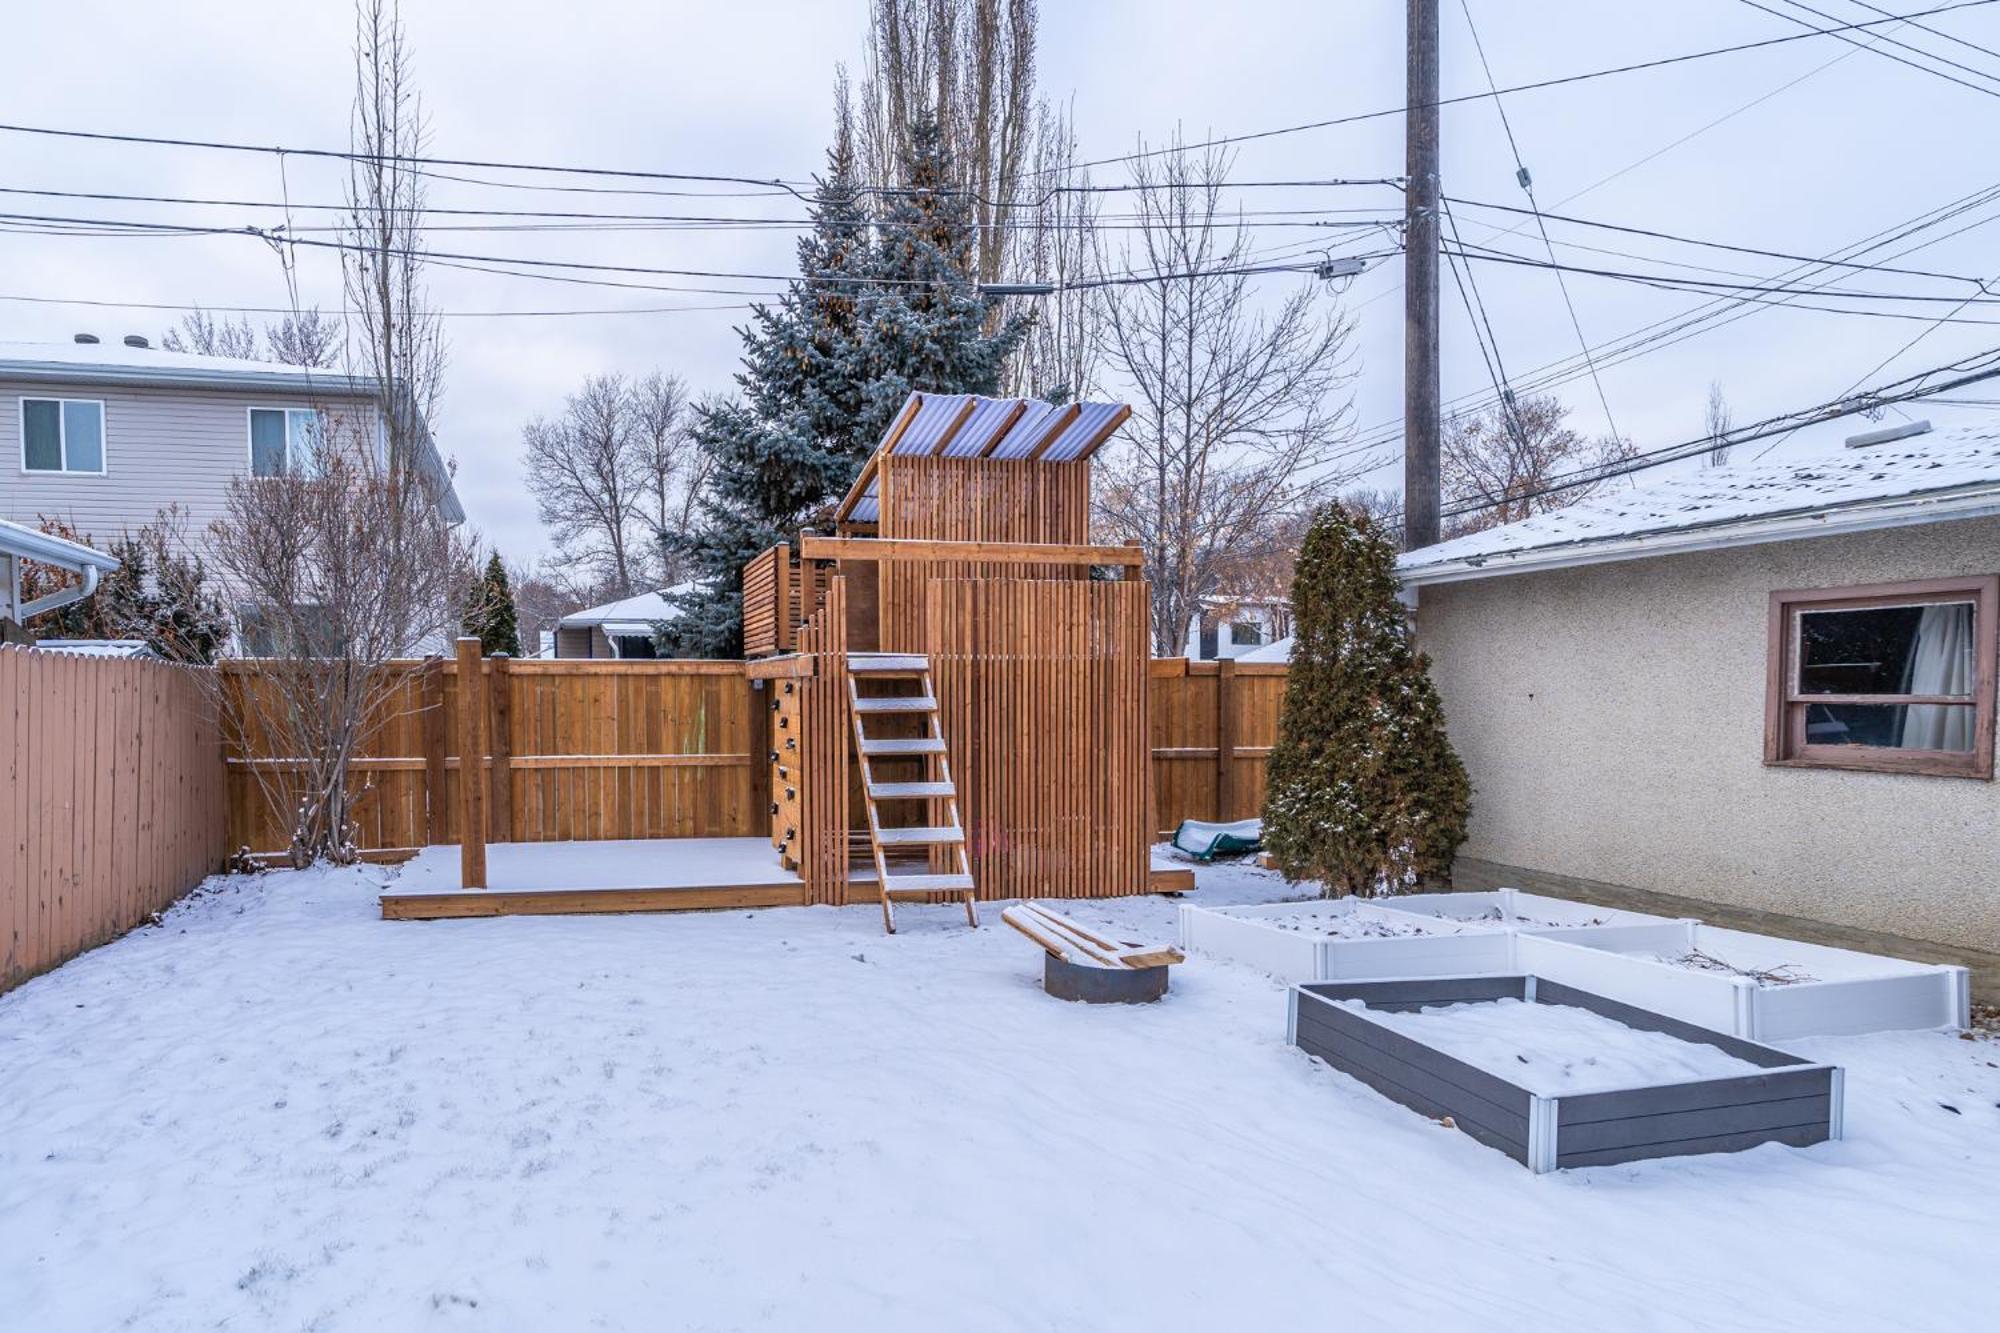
{"points": [[111, 795], [116, 796], [677, 749]]}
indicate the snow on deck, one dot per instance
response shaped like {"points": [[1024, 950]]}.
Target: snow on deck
{"points": [[640, 863], [276, 1111]]}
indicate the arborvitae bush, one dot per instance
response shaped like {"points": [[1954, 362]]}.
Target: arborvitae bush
{"points": [[1364, 793]]}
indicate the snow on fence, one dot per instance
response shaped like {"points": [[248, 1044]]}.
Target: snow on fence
{"points": [[111, 800]]}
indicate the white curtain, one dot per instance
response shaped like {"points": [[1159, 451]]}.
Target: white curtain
{"points": [[1941, 663]]}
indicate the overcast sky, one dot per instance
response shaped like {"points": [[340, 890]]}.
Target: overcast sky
{"points": [[743, 88]]}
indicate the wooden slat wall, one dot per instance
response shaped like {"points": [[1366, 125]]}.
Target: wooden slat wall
{"points": [[1042, 688], [826, 740], [985, 500], [766, 617], [111, 800], [1213, 726], [578, 750], [673, 749]]}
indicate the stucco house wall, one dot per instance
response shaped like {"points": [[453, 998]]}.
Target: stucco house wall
{"points": [[1611, 717]]}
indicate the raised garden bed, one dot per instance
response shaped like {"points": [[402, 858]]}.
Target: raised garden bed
{"points": [[1756, 986], [1532, 1082], [1556, 918], [1336, 938]]}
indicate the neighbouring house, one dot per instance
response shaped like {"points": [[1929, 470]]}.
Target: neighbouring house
{"points": [[620, 629], [1231, 626], [106, 436], [1765, 685], [20, 543]]}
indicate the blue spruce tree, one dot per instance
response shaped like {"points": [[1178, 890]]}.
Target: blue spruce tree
{"points": [[880, 309]]}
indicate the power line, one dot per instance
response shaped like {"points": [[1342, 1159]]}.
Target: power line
{"points": [[448, 314], [1983, 366], [1935, 32], [1528, 188], [1877, 50], [1673, 283], [1536, 86]]}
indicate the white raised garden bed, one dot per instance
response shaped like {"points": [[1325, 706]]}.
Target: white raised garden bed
{"points": [[1756, 986], [1555, 918], [1337, 939]]}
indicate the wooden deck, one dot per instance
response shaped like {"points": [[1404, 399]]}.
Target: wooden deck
{"points": [[640, 875]]}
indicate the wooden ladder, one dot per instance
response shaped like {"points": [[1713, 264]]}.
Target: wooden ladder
{"points": [[934, 787]]}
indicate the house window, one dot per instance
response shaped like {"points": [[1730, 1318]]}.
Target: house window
{"points": [[284, 441], [1246, 634], [1894, 678], [62, 435]]}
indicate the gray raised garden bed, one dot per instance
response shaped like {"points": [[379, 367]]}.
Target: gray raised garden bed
{"points": [[1785, 1100]]}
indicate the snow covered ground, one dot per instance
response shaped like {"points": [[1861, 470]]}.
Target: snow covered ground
{"points": [[276, 1111], [1555, 1049]]}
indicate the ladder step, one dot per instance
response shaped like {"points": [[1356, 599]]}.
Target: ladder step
{"points": [[909, 791], [917, 745], [898, 885], [921, 703], [887, 664], [917, 835]]}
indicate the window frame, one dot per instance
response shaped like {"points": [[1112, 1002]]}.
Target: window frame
{"points": [[1785, 745], [250, 436], [62, 436]]}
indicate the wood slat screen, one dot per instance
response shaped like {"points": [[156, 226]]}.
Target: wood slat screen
{"points": [[986, 500], [1042, 689], [111, 800]]}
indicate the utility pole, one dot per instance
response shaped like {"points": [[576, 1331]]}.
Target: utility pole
{"points": [[1421, 500]]}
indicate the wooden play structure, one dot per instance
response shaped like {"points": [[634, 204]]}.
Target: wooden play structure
{"points": [[963, 674], [950, 692]]}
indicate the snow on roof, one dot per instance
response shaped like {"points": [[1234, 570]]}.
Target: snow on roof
{"points": [[97, 647], [1955, 474], [1278, 651], [114, 361], [621, 616]]}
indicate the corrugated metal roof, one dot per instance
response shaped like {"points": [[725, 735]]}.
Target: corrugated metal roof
{"points": [[958, 425]]}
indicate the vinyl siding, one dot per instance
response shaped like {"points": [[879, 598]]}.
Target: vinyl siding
{"points": [[161, 446]]}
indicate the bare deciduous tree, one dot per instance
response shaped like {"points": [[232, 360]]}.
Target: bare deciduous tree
{"points": [[1056, 244], [345, 560], [588, 475], [1239, 405], [1500, 468], [307, 338], [972, 63], [1715, 424], [399, 334], [202, 334], [676, 469], [341, 568]]}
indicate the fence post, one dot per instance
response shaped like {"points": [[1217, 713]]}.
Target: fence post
{"points": [[501, 743], [430, 684], [471, 767], [1225, 738]]}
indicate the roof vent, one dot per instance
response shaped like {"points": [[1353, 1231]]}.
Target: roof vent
{"points": [[136, 340], [1888, 433], [87, 339]]}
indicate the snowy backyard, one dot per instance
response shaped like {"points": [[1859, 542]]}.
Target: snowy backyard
{"points": [[277, 1111]]}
